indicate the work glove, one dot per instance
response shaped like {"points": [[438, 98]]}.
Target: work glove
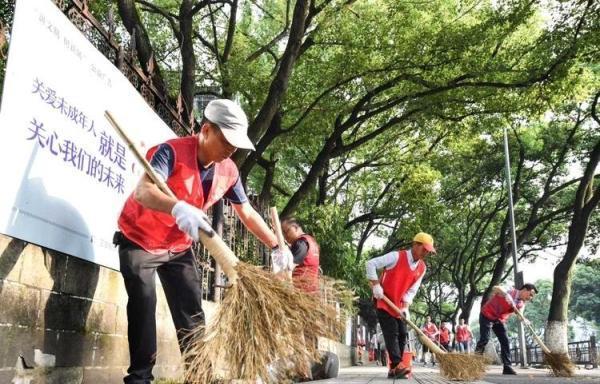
{"points": [[190, 219], [281, 259], [377, 291]]}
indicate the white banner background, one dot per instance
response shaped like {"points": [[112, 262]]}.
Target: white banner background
{"points": [[65, 172]]}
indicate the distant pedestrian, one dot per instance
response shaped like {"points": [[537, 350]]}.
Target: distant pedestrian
{"points": [[431, 331], [463, 337]]}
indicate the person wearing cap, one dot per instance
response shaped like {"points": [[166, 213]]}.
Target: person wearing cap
{"points": [[402, 274], [156, 231]]}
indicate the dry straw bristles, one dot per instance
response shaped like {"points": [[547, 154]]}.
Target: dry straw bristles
{"points": [[261, 320], [560, 364], [462, 367]]}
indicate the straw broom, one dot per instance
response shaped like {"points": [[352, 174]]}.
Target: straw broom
{"points": [[259, 320], [453, 366], [560, 363]]}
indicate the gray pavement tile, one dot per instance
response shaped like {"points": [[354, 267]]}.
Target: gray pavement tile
{"points": [[428, 375]]}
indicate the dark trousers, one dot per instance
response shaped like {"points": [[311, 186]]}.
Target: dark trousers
{"points": [[181, 283], [484, 337], [394, 334]]}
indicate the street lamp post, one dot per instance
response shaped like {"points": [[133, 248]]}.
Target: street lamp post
{"points": [[517, 276]]}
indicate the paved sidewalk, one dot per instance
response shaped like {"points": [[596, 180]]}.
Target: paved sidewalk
{"points": [[371, 374]]}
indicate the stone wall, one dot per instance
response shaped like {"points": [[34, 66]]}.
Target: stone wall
{"points": [[67, 317]]}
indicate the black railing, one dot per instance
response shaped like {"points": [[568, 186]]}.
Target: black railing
{"points": [[580, 352]]}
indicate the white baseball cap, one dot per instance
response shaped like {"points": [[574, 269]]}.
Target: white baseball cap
{"points": [[232, 121]]}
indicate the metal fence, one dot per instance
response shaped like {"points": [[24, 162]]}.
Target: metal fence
{"points": [[580, 352], [123, 55]]}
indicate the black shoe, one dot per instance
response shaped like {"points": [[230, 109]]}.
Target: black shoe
{"points": [[508, 370]]}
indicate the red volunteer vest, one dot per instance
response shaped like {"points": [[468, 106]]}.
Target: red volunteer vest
{"points": [[497, 308], [444, 336], [306, 275], [429, 329], [157, 232], [462, 333], [396, 281]]}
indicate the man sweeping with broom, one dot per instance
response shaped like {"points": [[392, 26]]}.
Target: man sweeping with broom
{"points": [[494, 314], [156, 230], [400, 280]]}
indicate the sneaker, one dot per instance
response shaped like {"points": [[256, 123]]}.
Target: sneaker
{"points": [[507, 370]]}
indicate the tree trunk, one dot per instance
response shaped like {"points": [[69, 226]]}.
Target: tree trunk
{"points": [[254, 157], [467, 307], [188, 61], [311, 178], [133, 24], [279, 84]]}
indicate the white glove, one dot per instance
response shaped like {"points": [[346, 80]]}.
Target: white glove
{"points": [[526, 322], [377, 291], [190, 219], [281, 259]]}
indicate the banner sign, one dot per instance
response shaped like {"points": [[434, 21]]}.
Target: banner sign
{"points": [[65, 171]]}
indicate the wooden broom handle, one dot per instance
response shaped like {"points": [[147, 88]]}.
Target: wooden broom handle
{"points": [[533, 333], [212, 242], [422, 336], [277, 227], [280, 240]]}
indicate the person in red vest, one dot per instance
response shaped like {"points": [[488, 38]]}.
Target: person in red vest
{"points": [[400, 280], [431, 331], [494, 314], [463, 337], [444, 336], [305, 251], [156, 231]]}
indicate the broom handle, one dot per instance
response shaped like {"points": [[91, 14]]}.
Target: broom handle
{"points": [[212, 242], [424, 339], [523, 320], [533, 333], [277, 229]]}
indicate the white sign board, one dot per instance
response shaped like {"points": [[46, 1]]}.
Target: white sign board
{"points": [[65, 172]]}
